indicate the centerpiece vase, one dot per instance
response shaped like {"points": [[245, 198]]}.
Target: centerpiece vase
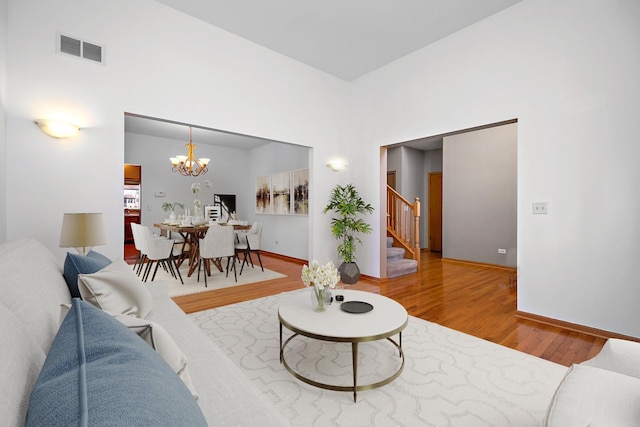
{"points": [[318, 298]]}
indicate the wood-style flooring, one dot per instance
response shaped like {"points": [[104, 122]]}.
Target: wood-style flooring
{"points": [[468, 298]]}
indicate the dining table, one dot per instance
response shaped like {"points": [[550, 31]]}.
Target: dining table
{"points": [[191, 235]]}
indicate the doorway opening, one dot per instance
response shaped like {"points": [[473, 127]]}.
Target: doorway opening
{"points": [[468, 179]]}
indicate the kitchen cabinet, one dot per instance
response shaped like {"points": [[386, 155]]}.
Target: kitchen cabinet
{"points": [[132, 174], [130, 216]]}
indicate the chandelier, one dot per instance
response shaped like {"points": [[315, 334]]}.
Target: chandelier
{"points": [[188, 165]]}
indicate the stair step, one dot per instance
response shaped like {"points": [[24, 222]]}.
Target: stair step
{"points": [[395, 254], [389, 242], [401, 267]]}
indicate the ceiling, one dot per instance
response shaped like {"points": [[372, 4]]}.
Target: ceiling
{"points": [[180, 131], [345, 38]]}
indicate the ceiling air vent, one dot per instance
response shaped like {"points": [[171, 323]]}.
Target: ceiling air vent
{"points": [[80, 49]]}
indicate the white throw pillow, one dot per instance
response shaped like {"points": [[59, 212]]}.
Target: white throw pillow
{"points": [[158, 338], [116, 288], [591, 396]]}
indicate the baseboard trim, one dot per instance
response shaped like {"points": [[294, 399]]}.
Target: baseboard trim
{"points": [[479, 264], [594, 332], [374, 279], [285, 257], [304, 261]]}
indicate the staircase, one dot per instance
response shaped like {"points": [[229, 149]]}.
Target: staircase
{"points": [[403, 249], [397, 264]]}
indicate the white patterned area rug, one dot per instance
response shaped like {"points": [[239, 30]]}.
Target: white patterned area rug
{"points": [[217, 280], [449, 378]]}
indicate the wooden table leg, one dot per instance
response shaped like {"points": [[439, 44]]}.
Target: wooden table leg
{"points": [[194, 253]]}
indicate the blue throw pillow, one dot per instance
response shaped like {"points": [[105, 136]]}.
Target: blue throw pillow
{"points": [[75, 264], [99, 373], [97, 256]]}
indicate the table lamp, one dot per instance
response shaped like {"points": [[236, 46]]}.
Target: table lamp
{"points": [[82, 231]]}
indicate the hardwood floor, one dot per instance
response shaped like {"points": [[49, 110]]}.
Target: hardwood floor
{"points": [[470, 299]]}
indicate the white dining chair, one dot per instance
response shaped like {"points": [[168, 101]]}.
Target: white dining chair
{"points": [[218, 243], [247, 243], [138, 244], [254, 238], [159, 251]]}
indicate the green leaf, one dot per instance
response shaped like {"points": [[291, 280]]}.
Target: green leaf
{"points": [[348, 205]]}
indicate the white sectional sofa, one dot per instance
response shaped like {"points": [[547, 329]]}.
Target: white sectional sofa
{"points": [[32, 289], [604, 391]]}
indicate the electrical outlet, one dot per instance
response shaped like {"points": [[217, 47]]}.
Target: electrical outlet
{"points": [[502, 251], [540, 208]]}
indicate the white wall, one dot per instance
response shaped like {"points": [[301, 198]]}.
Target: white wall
{"points": [[412, 166], [282, 234], [413, 178], [413, 184], [3, 118], [479, 196], [568, 72], [394, 164], [159, 63]]}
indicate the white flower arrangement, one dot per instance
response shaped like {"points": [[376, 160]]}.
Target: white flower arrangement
{"points": [[322, 277], [195, 187]]}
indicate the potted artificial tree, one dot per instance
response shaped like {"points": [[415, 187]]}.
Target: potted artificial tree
{"points": [[347, 204], [170, 207]]}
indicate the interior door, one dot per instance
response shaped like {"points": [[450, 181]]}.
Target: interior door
{"points": [[435, 211]]}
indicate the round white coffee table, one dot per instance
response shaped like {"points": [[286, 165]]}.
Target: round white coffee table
{"points": [[386, 319]]}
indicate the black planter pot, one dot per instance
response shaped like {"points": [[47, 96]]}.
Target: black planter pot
{"points": [[349, 273]]}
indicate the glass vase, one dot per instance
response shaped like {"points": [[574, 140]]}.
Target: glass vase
{"points": [[320, 298]]}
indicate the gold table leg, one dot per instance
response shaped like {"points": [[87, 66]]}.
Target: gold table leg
{"points": [[354, 357]]}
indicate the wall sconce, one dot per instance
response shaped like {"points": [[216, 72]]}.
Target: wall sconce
{"points": [[337, 165], [57, 129], [82, 230]]}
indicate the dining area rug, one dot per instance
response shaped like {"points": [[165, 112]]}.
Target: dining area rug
{"points": [[217, 280], [449, 378]]}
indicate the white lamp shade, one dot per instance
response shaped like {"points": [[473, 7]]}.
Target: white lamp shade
{"points": [[81, 230]]}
